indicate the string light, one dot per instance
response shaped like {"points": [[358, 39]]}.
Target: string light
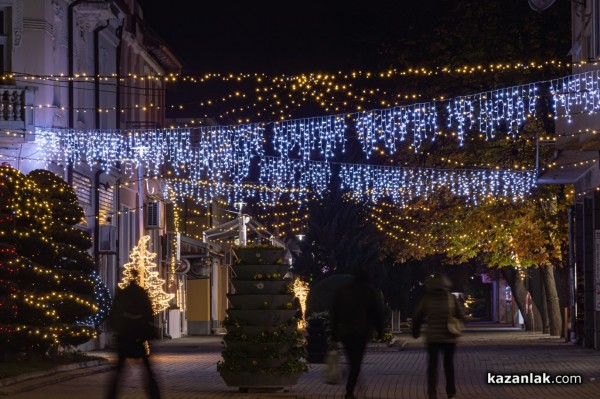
{"points": [[372, 183], [393, 125], [262, 77], [301, 137], [225, 153], [579, 93], [53, 302], [142, 260]]}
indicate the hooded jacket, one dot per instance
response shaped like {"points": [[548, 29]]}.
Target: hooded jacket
{"points": [[435, 309]]}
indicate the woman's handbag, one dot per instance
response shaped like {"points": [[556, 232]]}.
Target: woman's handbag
{"points": [[455, 325], [333, 373]]}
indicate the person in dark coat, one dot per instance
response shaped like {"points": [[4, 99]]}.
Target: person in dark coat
{"points": [[132, 319], [435, 309], [356, 312]]}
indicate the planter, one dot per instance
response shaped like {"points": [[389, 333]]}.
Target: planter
{"points": [[259, 301], [262, 363], [254, 380], [247, 272], [252, 350], [257, 330], [261, 256], [259, 316], [262, 317], [261, 287]]}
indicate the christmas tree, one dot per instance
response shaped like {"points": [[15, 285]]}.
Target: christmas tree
{"points": [[71, 245], [48, 293], [142, 260], [9, 267]]}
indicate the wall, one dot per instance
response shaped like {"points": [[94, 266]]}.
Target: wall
{"points": [[198, 306]]}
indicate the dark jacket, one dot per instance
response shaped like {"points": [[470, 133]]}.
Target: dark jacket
{"points": [[435, 309], [131, 316], [356, 311]]}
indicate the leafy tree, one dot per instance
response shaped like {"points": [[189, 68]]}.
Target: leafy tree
{"points": [[510, 236], [337, 240]]}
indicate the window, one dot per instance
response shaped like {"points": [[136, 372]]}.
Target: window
{"points": [[106, 205], [82, 185], [592, 43], [5, 16]]}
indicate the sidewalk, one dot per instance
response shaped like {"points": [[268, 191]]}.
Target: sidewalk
{"points": [[187, 369]]}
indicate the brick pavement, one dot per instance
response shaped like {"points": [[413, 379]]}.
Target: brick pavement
{"points": [[187, 369]]}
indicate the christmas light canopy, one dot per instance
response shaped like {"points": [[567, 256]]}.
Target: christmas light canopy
{"points": [[211, 161]]}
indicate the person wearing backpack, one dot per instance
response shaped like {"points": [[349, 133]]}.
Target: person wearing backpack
{"points": [[132, 320], [436, 308]]}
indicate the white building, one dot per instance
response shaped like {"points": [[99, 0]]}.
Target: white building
{"points": [[83, 64]]}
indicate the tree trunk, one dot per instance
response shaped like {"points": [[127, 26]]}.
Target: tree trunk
{"points": [[530, 312], [554, 315], [544, 310]]}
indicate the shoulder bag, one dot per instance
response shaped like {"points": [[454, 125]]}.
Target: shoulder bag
{"points": [[455, 325]]}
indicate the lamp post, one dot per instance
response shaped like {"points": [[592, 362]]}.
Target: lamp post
{"points": [[242, 219]]}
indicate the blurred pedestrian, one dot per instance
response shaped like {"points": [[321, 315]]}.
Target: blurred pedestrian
{"points": [[435, 308], [356, 312], [132, 320]]}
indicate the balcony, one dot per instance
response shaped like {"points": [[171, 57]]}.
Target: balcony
{"points": [[14, 115]]}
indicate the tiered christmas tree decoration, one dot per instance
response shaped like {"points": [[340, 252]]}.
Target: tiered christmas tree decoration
{"points": [[52, 298], [264, 348], [142, 260]]}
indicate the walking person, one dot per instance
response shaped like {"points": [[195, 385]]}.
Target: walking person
{"points": [[356, 312], [435, 308], [131, 318]]}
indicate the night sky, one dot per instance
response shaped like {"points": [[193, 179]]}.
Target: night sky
{"points": [[284, 37], [327, 36]]}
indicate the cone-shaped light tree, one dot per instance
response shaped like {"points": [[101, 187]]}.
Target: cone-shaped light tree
{"points": [[50, 293], [71, 245], [142, 260]]}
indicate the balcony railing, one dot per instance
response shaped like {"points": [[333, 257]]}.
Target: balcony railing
{"points": [[13, 112]]}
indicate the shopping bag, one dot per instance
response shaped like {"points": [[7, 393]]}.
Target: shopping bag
{"points": [[333, 373]]}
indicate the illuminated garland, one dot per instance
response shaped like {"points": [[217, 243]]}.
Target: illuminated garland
{"points": [[394, 125], [372, 183], [353, 74], [294, 177], [492, 110], [102, 300], [575, 94], [301, 137], [220, 146], [151, 148], [300, 181], [223, 155]]}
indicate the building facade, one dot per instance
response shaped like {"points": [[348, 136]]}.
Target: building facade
{"points": [[576, 161], [90, 65]]}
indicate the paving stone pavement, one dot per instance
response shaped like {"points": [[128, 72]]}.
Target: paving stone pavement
{"points": [[186, 369]]}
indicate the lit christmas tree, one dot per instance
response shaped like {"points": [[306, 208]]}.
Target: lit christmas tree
{"points": [[9, 269], [142, 260], [72, 244], [49, 294]]}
